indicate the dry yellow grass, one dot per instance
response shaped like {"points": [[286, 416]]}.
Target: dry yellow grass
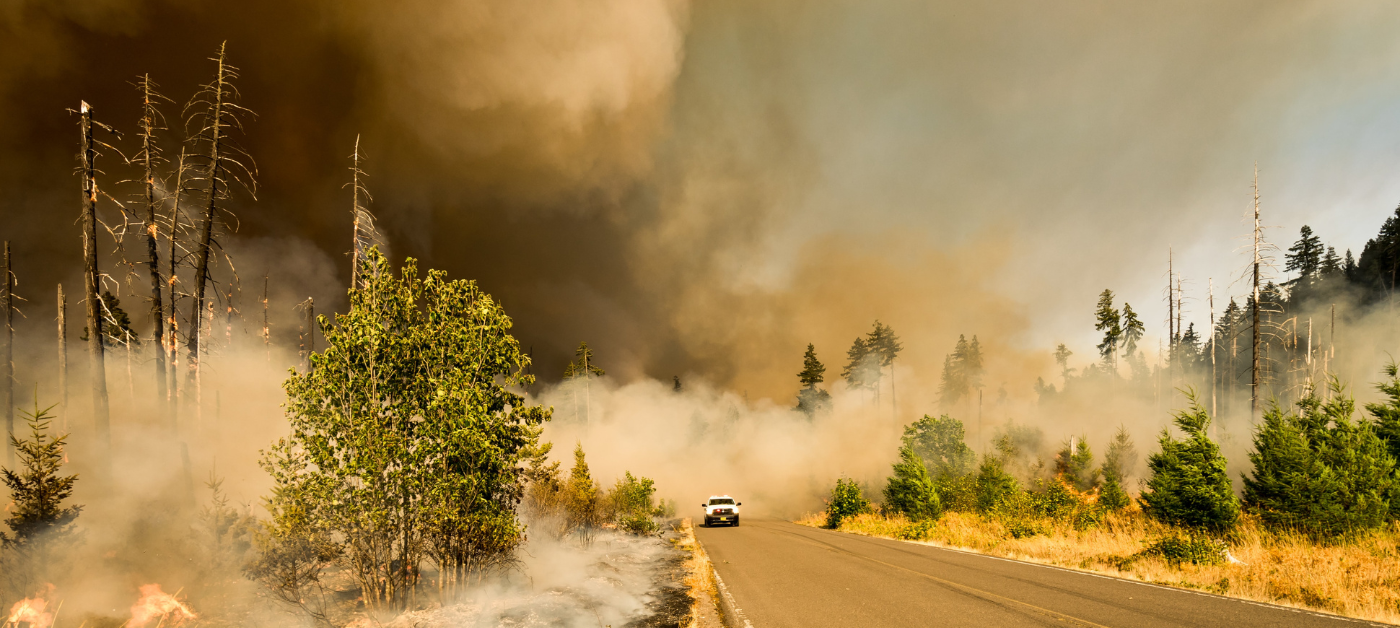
{"points": [[699, 580], [1360, 578]]}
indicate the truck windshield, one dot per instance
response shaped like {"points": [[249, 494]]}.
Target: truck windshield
{"points": [[715, 502]]}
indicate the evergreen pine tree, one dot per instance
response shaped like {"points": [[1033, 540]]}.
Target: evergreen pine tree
{"points": [[1318, 472], [1132, 330], [862, 366], [1188, 485], [1075, 463], [1062, 354], [1110, 323], [37, 491], [1331, 263], [37, 518], [910, 491], [811, 399], [1305, 256], [1118, 462]]}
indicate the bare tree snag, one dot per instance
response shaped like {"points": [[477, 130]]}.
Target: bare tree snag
{"points": [[267, 338], [308, 333], [7, 354], [363, 222], [101, 414], [1210, 297], [62, 359], [217, 115], [1254, 313], [149, 158], [172, 347]]}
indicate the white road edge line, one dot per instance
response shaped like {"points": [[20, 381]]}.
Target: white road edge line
{"points": [[729, 600]]}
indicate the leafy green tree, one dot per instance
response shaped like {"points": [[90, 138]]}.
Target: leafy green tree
{"points": [[37, 516], [810, 399], [1109, 321], [632, 498], [1188, 485], [1118, 463], [407, 434], [1318, 472], [910, 491], [1075, 463], [939, 442], [846, 501]]}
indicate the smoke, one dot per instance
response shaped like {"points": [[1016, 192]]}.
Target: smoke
{"points": [[700, 190]]}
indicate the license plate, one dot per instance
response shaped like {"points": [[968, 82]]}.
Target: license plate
{"points": [[724, 518]]}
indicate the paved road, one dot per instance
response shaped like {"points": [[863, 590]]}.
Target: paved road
{"points": [[783, 574]]}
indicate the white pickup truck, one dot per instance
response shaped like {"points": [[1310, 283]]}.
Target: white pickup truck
{"points": [[721, 509]]}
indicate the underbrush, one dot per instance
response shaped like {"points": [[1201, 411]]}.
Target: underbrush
{"points": [[1357, 578]]}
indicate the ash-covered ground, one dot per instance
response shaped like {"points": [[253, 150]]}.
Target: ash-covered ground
{"points": [[618, 580]]}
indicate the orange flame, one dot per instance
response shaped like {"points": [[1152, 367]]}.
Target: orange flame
{"points": [[31, 611], [156, 603]]}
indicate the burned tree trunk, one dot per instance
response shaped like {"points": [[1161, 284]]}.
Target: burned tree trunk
{"points": [[217, 117], [1254, 313], [149, 159], [7, 355], [101, 416], [171, 349], [308, 334], [63, 358]]}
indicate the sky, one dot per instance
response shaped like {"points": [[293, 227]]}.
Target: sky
{"points": [[701, 189]]}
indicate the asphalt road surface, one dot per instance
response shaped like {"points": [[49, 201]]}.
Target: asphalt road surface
{"points": [[783, 574]]}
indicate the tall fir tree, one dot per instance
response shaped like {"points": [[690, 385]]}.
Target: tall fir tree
{"points": [[1305, 256], [1109, 322], [1189, 485], [810, 399], [1118, 463]]}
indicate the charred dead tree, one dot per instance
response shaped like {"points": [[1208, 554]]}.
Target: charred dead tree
{"points": [[171, 349], [216, 115], [150, 158], [7, 355], [267, 337], [365, 234], [101, 413], [308, 333], [63, 359], [1256, 263]]}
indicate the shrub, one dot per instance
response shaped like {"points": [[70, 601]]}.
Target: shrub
{"points": [[1317, 472], [916, 530], [1197, 550], [1387, 426], [994, 484], [632, 499], [910, 490], [1189, 485], [846, 500]]}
